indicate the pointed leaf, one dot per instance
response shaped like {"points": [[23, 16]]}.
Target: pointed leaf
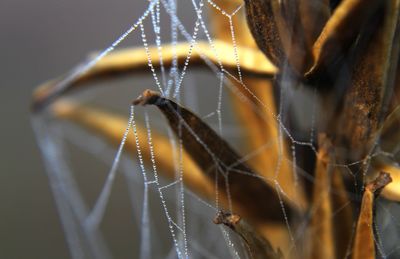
{"points": [[366, 102], [126, 62], [364, 242], [219, 161], [111, 127], [313, 14], [262, 24], [340, 32]]}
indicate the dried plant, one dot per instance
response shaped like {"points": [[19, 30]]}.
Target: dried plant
{"points": [[348, 52]]}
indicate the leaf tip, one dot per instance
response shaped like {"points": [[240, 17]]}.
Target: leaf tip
{"points": [[379, 183], [147, 97], [226, 218]]}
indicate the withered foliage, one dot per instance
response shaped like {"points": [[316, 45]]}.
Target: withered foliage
{"points": [[348, 51]]}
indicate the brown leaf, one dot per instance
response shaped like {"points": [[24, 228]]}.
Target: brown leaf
{"points": [[313, 14], [364, 245], [262, 24], [126, 62], [366, 101], [257, 246], [219, 161], [340, 32], [111, 127], [277, 29]]}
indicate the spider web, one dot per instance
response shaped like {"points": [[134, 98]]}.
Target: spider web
{"points": [[166, 219]]}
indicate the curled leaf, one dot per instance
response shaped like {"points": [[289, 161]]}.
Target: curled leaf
{"points": [[257, 246], [364, 242], [340, 31], [125, 62], [219, 161]]}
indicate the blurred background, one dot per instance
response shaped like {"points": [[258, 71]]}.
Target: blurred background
{"points": [[41, 40], [44, 39]]}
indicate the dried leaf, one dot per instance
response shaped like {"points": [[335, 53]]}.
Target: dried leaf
{"points": [[262, 24], [313, 14], [372, 81], [277, 29], [364, 245], [111, 127], [257, 246], [340, 32], [321, 222], [125, 62], [219, 161], [293, 39]]}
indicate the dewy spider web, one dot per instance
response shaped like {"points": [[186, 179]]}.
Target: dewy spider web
{"points": [[154, 199]]}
